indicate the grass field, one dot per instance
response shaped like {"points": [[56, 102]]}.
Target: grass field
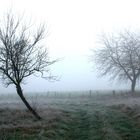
{"points": [[72, 117]]}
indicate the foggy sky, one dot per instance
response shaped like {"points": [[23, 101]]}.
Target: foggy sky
{"points": [[73, 29]]}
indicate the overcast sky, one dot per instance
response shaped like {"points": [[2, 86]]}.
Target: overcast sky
{"points": [[73, 27]]}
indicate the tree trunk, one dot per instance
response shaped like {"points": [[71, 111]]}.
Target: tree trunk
{"points": [[19, 91], [133, 86]]}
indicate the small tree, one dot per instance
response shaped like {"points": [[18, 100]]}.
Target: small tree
{"points": [[119, 57], [21, 55]]}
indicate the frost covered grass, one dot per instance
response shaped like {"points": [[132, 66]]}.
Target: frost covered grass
{"points": [[72, 116]]}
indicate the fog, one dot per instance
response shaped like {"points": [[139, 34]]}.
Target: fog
{"points": [[73, 30]]}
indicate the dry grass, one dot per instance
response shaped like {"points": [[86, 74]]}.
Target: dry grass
{"points": [[80, 117]]}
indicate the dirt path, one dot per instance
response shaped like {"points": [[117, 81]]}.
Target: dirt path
{"points": [[79, 126], [101, 123]]}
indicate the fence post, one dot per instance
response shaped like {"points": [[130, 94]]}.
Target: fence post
{"points": [[90, 93], [113, 92]]}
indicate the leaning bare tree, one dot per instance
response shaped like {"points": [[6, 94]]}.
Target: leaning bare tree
{"points": [[21, 55], [119, 57]]}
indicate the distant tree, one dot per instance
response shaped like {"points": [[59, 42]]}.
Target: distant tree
{"points": [[22, 55], [119, 57]]}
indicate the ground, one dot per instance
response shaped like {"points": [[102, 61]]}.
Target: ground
{"points": [[85, 116]]}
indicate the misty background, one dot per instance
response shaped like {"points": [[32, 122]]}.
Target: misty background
{"points": [[74, 28]]}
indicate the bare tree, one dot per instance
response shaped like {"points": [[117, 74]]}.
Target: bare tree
{"points": [[21, 55], [119, 57]]}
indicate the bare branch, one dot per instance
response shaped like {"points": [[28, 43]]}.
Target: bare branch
{"points": [[120, 56], [21, 53]]}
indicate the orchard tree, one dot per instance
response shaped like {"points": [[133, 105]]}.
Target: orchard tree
{"points": [[119, 57], [22, 55]]}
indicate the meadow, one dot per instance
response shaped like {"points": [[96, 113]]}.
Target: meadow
{"points": [[87, 115]]}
